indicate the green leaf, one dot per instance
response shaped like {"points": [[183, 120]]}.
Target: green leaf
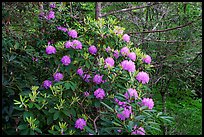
{"points": [[73, 112], [32, 132], [49, 120], [52, 110], [87, 64], [38, 130], [56, 115], [66, 113], [97, 104], [27, 114], [30, 105], [140, 117], [37, 106], [67, 85], [21, 127], [89, 130], [107, 106], [25, 132]]}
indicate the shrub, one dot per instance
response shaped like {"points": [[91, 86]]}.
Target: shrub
{"points": [[90, 91]]}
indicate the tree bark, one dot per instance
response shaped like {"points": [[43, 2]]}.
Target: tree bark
{"points": [[98, 10]]}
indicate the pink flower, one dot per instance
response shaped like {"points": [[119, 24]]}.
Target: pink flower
{"points": [[58, 76], [116, 54], [76, 44], [131, 93], [147, 59], [99, 93], [51, 15], [72, 33], [128, 65], [50, 50], [138, 131], [108, 49], [68, 44], [62, 28], [80, 71], [92, 49], [52, 5], [109, 62], [125, 113], [97, 79], [148, 102], [87, 77], [142, 77], [80, 123], [47, 83], [124, 51], [66, 60], [126, 38], [132, 56], [86, 94]]}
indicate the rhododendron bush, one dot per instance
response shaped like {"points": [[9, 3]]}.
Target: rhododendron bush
{"points": [[96, 85]]}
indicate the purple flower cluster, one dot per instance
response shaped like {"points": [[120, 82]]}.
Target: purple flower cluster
{"points": [[51, 15], [62, 28], [147, 59], [138, 131], [118, 30], [80, 123], [66, 60], [50, 50], [128, 65], [108, 49], [125, 113], [131, 93], [80, 71], [52, 5], [116, 54], [120, 103], [124, 51], [92, 49], [99, 93], [68, 44], [97, 79], [148, 102], [132, 56], [72, 33], [47, 84], [142, 77], [76, 44], [58, 76], [126, 38], [109, 62], [86, 94], [87, 77]]}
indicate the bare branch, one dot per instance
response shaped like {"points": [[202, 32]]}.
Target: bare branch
{"points": [[128, 9], [178, 27], [171, 41], [95, 124]]}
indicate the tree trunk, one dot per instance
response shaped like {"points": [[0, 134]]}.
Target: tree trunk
{"points": [[98, 10]]}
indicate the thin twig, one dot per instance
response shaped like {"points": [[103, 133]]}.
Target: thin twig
{"points": [[95, 124], [128, 9], [178, 27]]}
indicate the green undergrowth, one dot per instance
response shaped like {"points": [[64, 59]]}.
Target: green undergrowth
{"points": [[187, 114]]}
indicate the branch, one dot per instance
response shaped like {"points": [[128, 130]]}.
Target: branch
{"points": [[170, 41], [95, 124], [178, 27], [128, 9]]}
